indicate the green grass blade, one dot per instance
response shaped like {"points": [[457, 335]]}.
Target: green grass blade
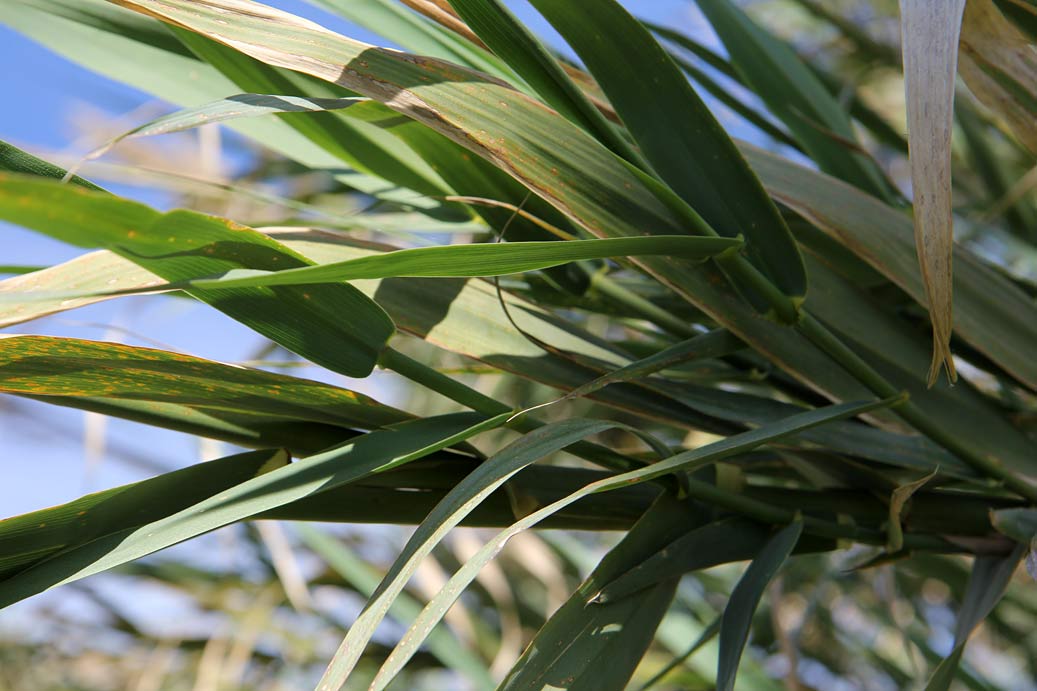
{"points": [[459, 502], [469, 261], [791, 91], [516, 45], [230, 108], [14, 160], [358, 458], [73, 368], [181, 245], [496, 472], [362, 145], [29, 539], [708, 345], [1018, 524], [992, 314], [988, 580], [738, 615], [722, 542], [677, 133], [364, 578], [415, 33]]}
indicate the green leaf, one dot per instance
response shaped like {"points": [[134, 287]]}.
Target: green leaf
{"points": [[791, 91], [182, 245], [458, 503], [371, 453], [495, 471], [45, 366], [522, 51], [988, 580], [562, 655], [708, 345], [29, 539], [407, 495], [364, 578], [738, 615], [15, 160], [533, 145], [682, 141], [991, 314], [230, 108], [728, 540], [363, 146], [415, 33], [1018, 524], [467, 261]]}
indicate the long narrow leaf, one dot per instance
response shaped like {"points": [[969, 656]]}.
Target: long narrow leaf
{"points": [[336, 326], [358, 458], [930, 31], [685, 145], [988, 580], [29, 539], [491, 474], [738, 615], [792, 92]]}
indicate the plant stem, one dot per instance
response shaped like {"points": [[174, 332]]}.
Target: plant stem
{"points": [[824, 339], [767, 513], [787, 310], [647, 309]]}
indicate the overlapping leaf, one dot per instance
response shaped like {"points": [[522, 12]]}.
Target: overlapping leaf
{"points": [[355, 459], [31, 538], [73, 368], [183, 244]]}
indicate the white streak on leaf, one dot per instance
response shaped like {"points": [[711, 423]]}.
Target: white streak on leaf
{"points": [[930, 30]]}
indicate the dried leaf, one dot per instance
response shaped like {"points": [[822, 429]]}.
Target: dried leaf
{"points": [[930, 30], [999, 65]]}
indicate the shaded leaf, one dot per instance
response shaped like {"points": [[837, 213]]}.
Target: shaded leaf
{"points": [[897, 502], [991, 313], [490, 474], [738, 615], [988, 580], [791, 91]]}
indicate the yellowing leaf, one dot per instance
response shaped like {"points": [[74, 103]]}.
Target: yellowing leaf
{"points": [[930, 30], [999, 64]]}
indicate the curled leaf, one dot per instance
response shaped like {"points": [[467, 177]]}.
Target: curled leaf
{"points": [[930, 30], [897, 502]]}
